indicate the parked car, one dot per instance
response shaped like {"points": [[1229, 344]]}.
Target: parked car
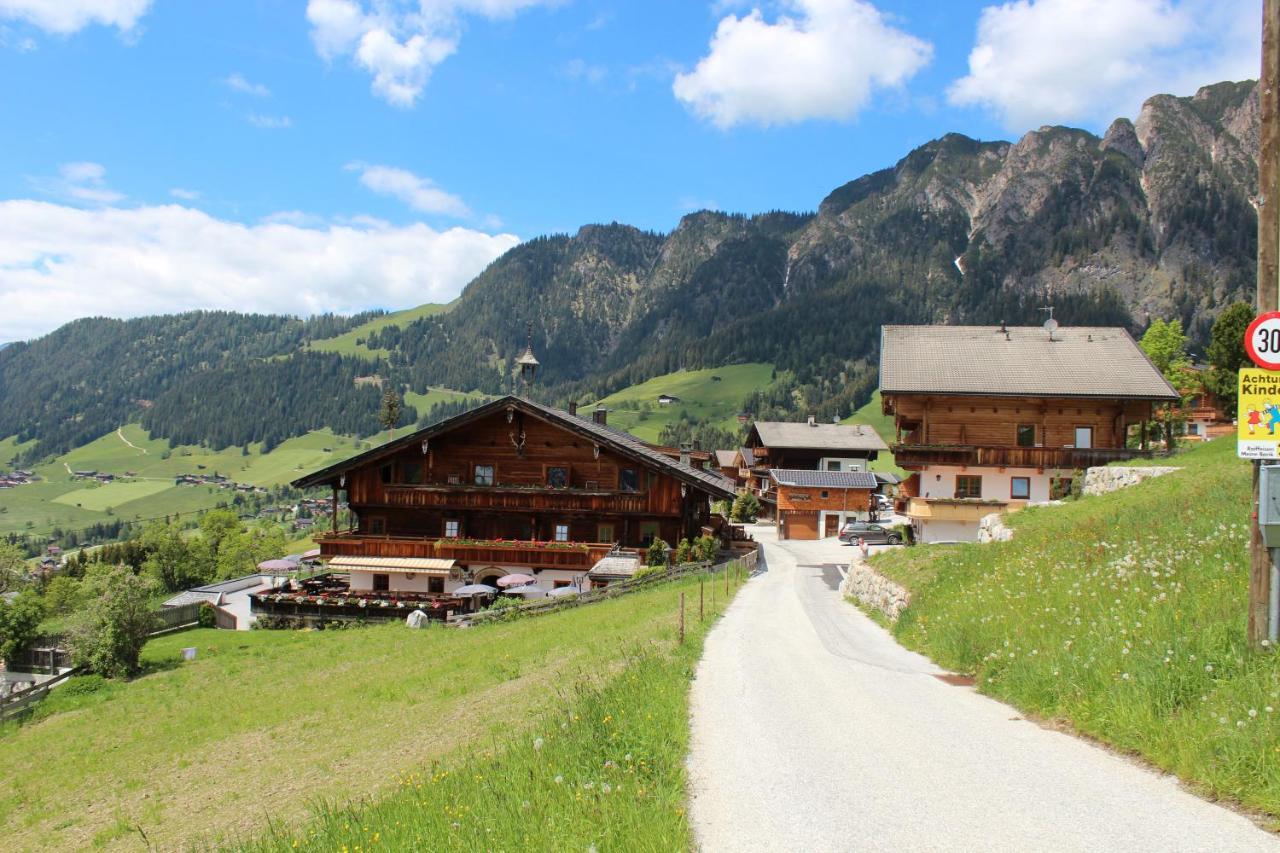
{"points": [[884, 503], [872, 534]]}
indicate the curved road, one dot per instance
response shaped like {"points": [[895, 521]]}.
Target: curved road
{"points": [[813, 730]]}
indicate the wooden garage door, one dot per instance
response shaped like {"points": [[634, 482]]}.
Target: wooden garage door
{"points": [[802, 525]]}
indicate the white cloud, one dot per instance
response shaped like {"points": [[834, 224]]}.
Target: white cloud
{"points": [[240, 84], [419, 193], [820, 61], [580, 69], [399, 42], [1054, 61], [80, 181], [68, 16], [59, 262], [184, 194], [269, 122]]}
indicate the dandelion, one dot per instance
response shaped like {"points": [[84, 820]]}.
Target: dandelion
{"points": [[606, 788], [1125, 676], [537, 744], [1239, 724], [559, 780], [1208, 667], [1253, 712], [609, 765]]}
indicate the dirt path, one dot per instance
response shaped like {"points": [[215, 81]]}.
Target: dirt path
{"points": [[120, 432], [813, 730]]}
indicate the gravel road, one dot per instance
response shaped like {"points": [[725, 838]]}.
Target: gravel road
{"points": [[813, 730]]}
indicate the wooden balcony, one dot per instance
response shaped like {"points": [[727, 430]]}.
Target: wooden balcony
{"points": [[575, 556], [956, 509], [915, 455], [518, 498]]}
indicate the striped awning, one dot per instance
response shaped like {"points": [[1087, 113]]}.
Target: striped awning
{"points": [[420, 565]]}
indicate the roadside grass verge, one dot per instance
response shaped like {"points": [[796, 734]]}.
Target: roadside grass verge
{"points": [[1123, 616], [265, 724]]}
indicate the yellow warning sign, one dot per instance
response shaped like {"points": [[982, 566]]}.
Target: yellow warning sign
{"points": [[1258, 418]]}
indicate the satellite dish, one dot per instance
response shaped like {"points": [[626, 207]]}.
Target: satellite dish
{"points": [[1051, 325]]}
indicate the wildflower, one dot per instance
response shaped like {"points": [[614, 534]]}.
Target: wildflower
{"points": [[559, 780], [537, 744], [1208, 667], [1268, 709], [1253, 712], [609, 765], [606, 788], [1125, 676], [1239, 724]]}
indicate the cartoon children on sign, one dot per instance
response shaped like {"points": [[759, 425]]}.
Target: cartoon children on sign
{"points": [[1253, 419], [1273, 416]]}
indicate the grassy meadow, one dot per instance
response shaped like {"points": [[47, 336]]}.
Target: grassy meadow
{"points": [[327, 738], [424, 401], [713, 395], [1122, 616], [345, 344], [149, 467]]}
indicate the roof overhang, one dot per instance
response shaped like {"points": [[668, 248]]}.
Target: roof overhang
{"points": [[435, 566]]}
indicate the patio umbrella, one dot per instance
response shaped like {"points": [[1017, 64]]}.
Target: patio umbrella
{"points": [[527, 589], [516, 580], [277, 565], [561, 591], [311, 555], [474, 589]]}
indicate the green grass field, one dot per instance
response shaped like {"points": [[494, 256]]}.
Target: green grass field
{"points": [[701, 394], [266, 724], [345, 344], [10, 448], [58, 500], [872, 416], [1123, 616], [423, 402]]}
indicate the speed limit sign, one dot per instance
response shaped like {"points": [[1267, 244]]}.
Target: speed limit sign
{"points": [[1262, 340]]}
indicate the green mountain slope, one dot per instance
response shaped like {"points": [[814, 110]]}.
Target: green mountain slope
{"points": [[355, 341], [711, 396]]}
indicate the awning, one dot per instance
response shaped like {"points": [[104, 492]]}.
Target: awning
{"points": [[420, 565]]}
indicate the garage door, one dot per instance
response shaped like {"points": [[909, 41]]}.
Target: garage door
{"points": [[802, 525]]}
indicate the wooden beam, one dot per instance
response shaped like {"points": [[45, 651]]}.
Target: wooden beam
{"points": [[1267, 295]]}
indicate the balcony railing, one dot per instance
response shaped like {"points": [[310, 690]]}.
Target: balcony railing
{"points": [[908, 455], [515, 498]]}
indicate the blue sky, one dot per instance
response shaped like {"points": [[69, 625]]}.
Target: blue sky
{"points": [[345, 154]]}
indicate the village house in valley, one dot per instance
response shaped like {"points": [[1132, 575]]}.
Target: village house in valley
{"points": [[993, 418], [816, 504], [511, 487], [807, 446]]}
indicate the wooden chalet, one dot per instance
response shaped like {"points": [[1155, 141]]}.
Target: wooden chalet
{"points": [[995, 418], [807, 446], [511, 487], [816, 504]]}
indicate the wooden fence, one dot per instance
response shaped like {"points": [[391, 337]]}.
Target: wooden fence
{"points": [[19, 703], [541, 606]]}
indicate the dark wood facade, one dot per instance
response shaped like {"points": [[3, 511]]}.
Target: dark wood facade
{"points": [[516, 483]]}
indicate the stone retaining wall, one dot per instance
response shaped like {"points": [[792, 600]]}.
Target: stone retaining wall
{"points": [[875, 590], [1100, 481]]}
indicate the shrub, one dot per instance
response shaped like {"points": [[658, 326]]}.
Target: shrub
{"points": [[657, 554], [684, 553], [19, 621], [746, 507], [119, 619], [705, 548], [648, 572], [83, 685], [207, 617]]}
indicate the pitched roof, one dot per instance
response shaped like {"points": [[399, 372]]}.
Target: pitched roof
{"points": [[726, 458], [748, 456], [1085, 361], [615, 566], [622, 443], [818, 436], [824, 479]]}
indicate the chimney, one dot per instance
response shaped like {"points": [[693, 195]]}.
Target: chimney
{"points": [[601, 415], [812, 422], [685, 450], [573, 408]]}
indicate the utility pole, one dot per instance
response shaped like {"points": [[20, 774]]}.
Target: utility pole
{"points": [[1260, 564]]}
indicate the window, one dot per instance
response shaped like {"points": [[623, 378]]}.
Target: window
{"points": [[627, 480], [825, 494], [381, 583], [435, 585], [1026, 435], [377, 525], [454, 480], [604, 533], [562, 533], [451, 529], [648, 532], [1020, 488], [411, 472], [968, 486], [1084, 437], [484, 475], [559, 584], [833, 465], [557, 478], [384, 473]]}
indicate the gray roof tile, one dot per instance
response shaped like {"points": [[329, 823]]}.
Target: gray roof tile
{"points": [[1085, 361], [856, 437], [824, 479]]}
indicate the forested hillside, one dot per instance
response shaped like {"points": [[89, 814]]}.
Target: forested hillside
{"points": [[1151, 221]]}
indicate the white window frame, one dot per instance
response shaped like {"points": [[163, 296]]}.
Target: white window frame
{"points": [[562, 532], [456, 528]]}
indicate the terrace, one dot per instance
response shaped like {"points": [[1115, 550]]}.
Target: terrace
{"points": [[578, 556], [911, 455], [330, 597]]}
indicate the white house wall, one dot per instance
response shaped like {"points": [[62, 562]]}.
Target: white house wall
{"points": [[939, 481]]}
